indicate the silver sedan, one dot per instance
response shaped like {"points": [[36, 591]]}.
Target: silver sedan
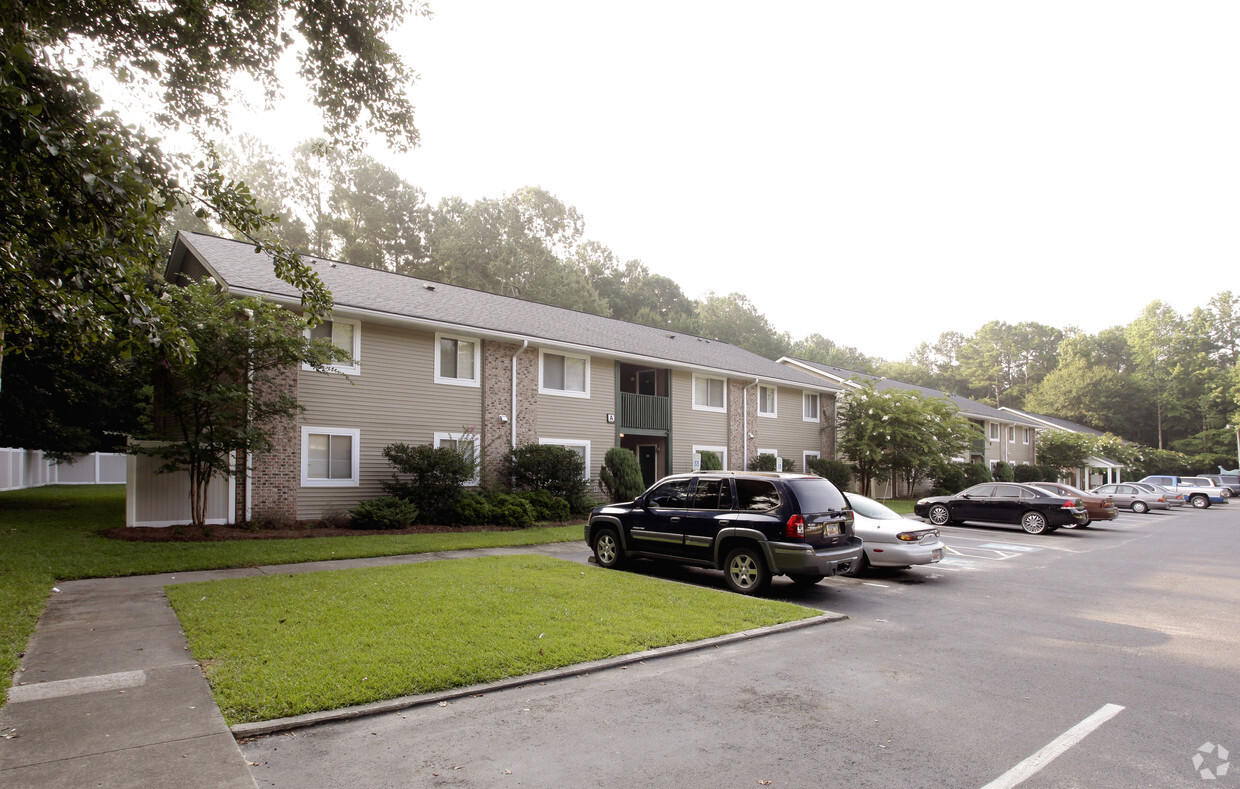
{"points": [[890, 539], [1131, 497]]}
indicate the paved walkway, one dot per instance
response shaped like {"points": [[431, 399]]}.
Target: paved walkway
{"points": [[109, 696]]}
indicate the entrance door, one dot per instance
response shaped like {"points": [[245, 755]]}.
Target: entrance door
{"points": [[648, 458], [647, 382]]}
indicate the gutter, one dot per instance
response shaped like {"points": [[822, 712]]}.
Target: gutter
{"points": [[513, 418]]}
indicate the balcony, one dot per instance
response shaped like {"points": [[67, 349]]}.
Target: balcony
{"points": [[645, 412]]}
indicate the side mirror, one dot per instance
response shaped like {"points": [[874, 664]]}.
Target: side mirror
{"points": [[640, 501]]}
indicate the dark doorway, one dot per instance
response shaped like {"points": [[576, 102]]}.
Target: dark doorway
{"points": [[648, 459]]}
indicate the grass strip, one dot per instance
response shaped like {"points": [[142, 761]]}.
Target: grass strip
{"points": [[50, 534], [276, 646]]}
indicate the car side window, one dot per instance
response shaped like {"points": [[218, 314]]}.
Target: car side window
{"points": [[1010, 492], [756, 495], [674, 494], [1124, 489], [713, 494], [980, 491]]}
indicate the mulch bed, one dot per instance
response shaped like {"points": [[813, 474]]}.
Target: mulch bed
{"points": [[219, 533]]}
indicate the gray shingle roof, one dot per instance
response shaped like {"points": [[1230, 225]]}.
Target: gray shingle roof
{"points": [[1057, 422], [237, 267], [965, 405]]}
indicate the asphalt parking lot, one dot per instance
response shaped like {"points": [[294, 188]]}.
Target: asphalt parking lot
{"points": [[1096, 657]]}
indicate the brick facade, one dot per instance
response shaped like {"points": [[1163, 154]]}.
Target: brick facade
{"points": [[741, 444], [497, 416], [276, 474]]}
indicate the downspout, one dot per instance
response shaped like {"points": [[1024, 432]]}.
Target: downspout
{"points": [[745, 424], [513, 419]]}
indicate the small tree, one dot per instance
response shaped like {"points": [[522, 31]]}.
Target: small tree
{"points": [[1063, 450], [621, 475], [763, 462], [711, 461], [559, 471], [976, 474], [1003, 472], [434, 477], [834, 470], [229, 398]]}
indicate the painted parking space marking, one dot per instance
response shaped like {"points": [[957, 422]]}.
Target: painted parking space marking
{"points": [[1005, 547], [1055, 748]]}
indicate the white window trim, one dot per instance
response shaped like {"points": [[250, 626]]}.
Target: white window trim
{"points": [[477, 379], [817, 408], [306, 432], [995, 433], [1011, 434], [693, 394], [441, 437], [806, 457], [722, 452], [1028, 431], [571, 442], [774, 414], [562, 392], [356, 353]]}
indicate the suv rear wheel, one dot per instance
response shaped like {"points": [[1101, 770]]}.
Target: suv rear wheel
{"points": [[745, 570], [1199, 501]]}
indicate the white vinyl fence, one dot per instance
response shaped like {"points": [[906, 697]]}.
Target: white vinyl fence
{"points": [[29, 468]]}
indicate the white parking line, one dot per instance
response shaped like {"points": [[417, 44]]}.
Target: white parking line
{"points": [[1056, 748]]}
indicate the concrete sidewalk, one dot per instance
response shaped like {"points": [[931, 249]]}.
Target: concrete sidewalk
{"points": [[109, 696]]}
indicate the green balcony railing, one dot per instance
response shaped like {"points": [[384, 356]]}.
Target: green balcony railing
{"points": [[645, 412], [979, 446]]}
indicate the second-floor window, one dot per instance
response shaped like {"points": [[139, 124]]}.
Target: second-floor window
{"points": [[344, 334], [811, 407], [456, 360], [708, 394], [767, 402], [1028, 435], [1011, 434], [994, 431], [565, 374]]}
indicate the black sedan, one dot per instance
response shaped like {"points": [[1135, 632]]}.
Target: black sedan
{"points": [[1036, 510]]}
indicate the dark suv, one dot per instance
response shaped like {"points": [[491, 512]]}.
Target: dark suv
{"points": [[751, 525]]}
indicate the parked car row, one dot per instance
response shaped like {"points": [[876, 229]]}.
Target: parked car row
{"points": [[1199, 492], [755, 525]]}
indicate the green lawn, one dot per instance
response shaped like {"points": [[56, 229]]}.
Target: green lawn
{"points": [[50, 534], [275, 646]]}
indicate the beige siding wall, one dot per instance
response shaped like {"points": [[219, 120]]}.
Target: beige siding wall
{"points": [[582, 419], [164, 499], [690, 427], [393, 399], [789, 433]]}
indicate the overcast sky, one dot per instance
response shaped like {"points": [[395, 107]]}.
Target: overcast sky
{"points": [[876, 172]]}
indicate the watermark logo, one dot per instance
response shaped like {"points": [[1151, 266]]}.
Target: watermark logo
{"points": [[1211, 768]]}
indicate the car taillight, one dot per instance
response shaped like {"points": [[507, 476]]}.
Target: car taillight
{"points": [[795, 527], [1162, 499], [916, 536], [1070, 504]]}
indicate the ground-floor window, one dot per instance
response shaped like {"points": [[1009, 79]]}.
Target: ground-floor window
{"points": [[329, 456], [580, 447], [467, 443], [722, 452]]}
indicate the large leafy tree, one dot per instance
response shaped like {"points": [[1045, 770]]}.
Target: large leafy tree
{"points": [[899, 433], [230, 396], [85, 196], [735, 319]]}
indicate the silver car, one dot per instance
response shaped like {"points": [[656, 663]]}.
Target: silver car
{"points": [[1130, 496], [890, 539], [1173, 498]]}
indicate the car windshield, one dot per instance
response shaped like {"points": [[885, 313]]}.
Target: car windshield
{"points": [[869, 508], [817, 495]]}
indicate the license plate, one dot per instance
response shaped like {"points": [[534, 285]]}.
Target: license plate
{"points": [[831, 529], [936, 554]]}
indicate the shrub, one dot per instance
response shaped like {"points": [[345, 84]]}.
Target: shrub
{"points": [[557, 470], [271, 520], [836, 471], [547, 507], [763, 462], [789, 464], [1027, 473], [1049, 473], [621, 475], [711, 461], [472, 509], [1003, 472], [385, 512], [435, 478], [976, 474], [951, 478], [510, 510], [334, 518]]}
